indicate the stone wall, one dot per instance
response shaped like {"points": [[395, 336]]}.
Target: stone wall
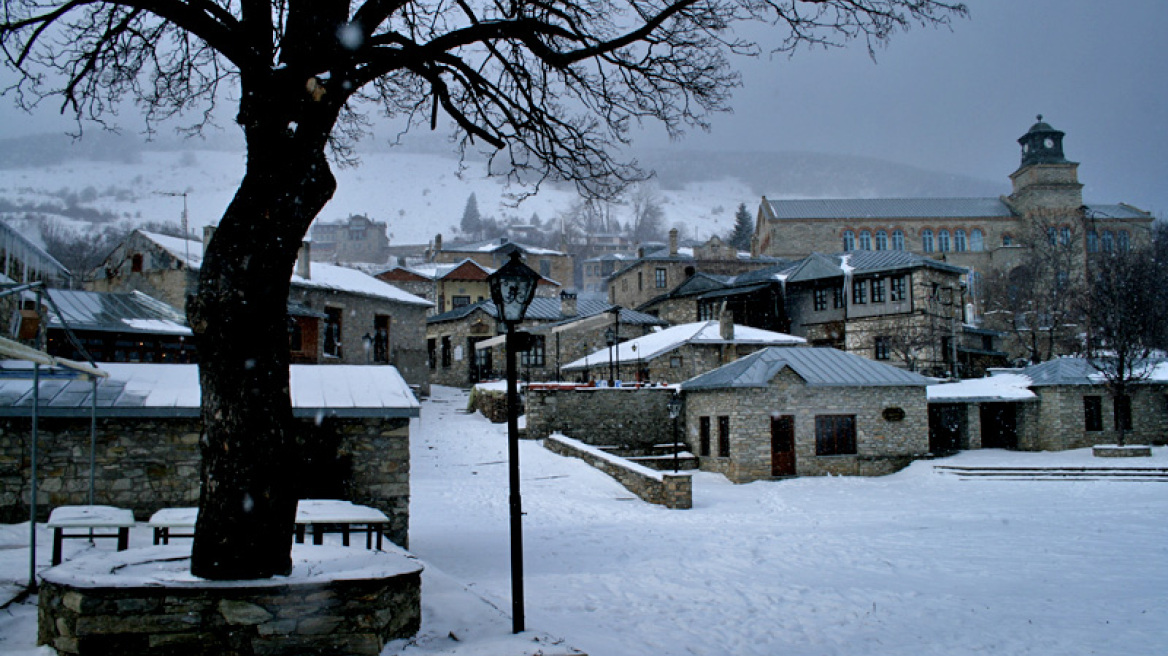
{"points": [[626, 417], [669, 490], [882, 446], [1057, 422], [150, 463]]}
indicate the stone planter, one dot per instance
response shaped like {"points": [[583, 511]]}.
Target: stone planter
{"points": [[337, 600], [1116, 451]]}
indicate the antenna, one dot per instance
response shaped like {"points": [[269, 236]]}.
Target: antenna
{"points": [[185, 229]]}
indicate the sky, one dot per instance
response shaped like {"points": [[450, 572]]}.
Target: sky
{"points": [[955, 100]]}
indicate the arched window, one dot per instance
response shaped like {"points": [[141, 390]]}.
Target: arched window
{"points": [[959, 241], [976, 240], [1092, 241], [1065, 236], [1052, 236], [865, 240], [1123, 240], [943, 241], [1108, 242], [881, 240], [898, 240], [1007, 239], [849, 240], [927, 240]]}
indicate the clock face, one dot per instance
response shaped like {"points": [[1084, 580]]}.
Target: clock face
{"points": [[1049, 143]]}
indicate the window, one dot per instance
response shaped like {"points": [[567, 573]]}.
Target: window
{"points": [[1065, 236], [432, 352], [381, 338], [859, 292], [1051, 236], [865, 240], [1123, 416], [896, 289], [535, 356], [1108, 242], [927, 241], [959, 244], [136, 263], [675, 362], [1007, 239], [660, 278], [837, 297], [1092, 241], [640, 280], [976, 240], [881, 240], [878, 290], [849, 240], [882, 348], [459, 301], [703, 436], [723, 436], [332, 331], [1123, 240], [446, 352], [835, 435], [898, 240], [820, 298], [1093, 413], [295, 336], [545, 268], [943, 241]]}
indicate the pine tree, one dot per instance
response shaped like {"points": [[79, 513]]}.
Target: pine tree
{"points": [[743, 229], [472, 221]]}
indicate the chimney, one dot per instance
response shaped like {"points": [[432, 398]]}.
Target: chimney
{"points": [[673, 241], [567, 304], [726, 323], [304, 260], [438, 242], [208, 232]]}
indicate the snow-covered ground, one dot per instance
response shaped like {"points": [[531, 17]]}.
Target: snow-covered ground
{"points": [[913, 563]]}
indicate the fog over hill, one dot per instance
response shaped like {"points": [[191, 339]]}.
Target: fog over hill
{"points": [[419, 189]]}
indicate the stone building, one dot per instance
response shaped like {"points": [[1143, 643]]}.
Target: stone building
{"points": [[466, 345], [337, 315], [977, 233], [357, 239], [805, 412], [595, 271], [354, 438], [558, 266], [1057, 405], [677, 353], [452, 285]]}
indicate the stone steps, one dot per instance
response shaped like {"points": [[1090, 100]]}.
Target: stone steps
{"points": [[1133, 474]]}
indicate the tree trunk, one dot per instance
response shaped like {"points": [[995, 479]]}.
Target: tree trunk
{"points": [[248, 500]]}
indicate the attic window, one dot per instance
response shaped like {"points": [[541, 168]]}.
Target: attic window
{"points": [[136, 263]]}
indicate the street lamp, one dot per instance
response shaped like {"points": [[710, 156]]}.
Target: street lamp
{"points": [[674, 407], [512, 288], [610, 339]]}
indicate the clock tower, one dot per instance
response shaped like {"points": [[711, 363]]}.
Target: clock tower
{"points": [[1045, 179]]}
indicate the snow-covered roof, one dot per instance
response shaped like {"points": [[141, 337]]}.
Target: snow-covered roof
{"points": [[151, 390], [492, 245], [322, 276], [1000, 387], [1077, 371], [817, 366], [133, 312], [648, 347], [889, 208]]}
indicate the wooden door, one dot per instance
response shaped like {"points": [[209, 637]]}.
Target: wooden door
{"points": [[783, 445]]}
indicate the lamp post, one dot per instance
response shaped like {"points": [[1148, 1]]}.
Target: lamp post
{"points": [[512, 288], [674, 407], [610, 339]]}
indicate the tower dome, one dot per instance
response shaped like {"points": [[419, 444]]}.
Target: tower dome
{"points": [[1042, 144]]}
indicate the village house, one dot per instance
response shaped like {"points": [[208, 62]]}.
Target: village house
{"points": [[595, 271], [357, 239], [559, 267], [465, 345], [353, 434], [1053, 406], [805, 412], [678, 353], [337, 315], [452, 285]]}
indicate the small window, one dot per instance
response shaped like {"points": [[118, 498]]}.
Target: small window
{"points": [[136, 263], [535, 356], [849, 240], [1093, 413], [898, 240], [724, 436], [865, 240], [820, 299], [703, 436], [976, 240], [927, 241], [660, 278], [896, 289], [878, 290], [1065, 236], [1007, 239], [835, 435], [1123, 415], [943, 241], [859, 292], [1052, 236], [675, 362], [882, 348], [545, 268], [459, 301], [837, 297], [881, 240]]}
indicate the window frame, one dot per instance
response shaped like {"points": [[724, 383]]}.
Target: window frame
{"points": [[859, 292], [835, 435], [849, 240], [960, 245], [1093, 413], [819, 299], [865, 240], [943, 241], [536, 355], [877, 290], [881, 242], [660, 277], [704, 436], [882, 347], [723, 436], [927, 240], [896, 289], [898, 240], [976, 240]]}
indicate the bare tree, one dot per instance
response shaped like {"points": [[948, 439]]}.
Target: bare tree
{"points": [[1126, 308], [648, 222], [548, 89]]}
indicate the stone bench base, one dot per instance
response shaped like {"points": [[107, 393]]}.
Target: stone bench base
{"points": [[1113, 451], [144, 601]]}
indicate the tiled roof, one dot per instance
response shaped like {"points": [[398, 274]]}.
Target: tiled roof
{"points": [[648, 347], [819, 367], [889, 208]]}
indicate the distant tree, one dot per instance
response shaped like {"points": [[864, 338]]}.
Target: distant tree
{"points": [[1126, 311], [547, 90], [472, 222], [81, 251], [648, 222], [743, 229]]}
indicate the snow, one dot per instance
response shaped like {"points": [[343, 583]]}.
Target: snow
{"points": [[157, 326], [913, 563], [647, 347], [1002, 386]]}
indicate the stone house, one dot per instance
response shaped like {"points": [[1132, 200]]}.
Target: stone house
{"points": [[337, 315], [466, 345], [595, 271], [805, 412], [558, 266], [1053, 406], [452, 286], [677, 353], [354, 439], [356, 239]]}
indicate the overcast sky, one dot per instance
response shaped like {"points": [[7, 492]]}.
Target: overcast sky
{"points": [[957, 100]]}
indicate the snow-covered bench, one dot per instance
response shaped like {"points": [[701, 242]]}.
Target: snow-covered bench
{"points": [[320, 515], [89, 518]]}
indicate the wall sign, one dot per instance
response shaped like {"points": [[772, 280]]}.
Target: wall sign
{"points": [[893, 414]]}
